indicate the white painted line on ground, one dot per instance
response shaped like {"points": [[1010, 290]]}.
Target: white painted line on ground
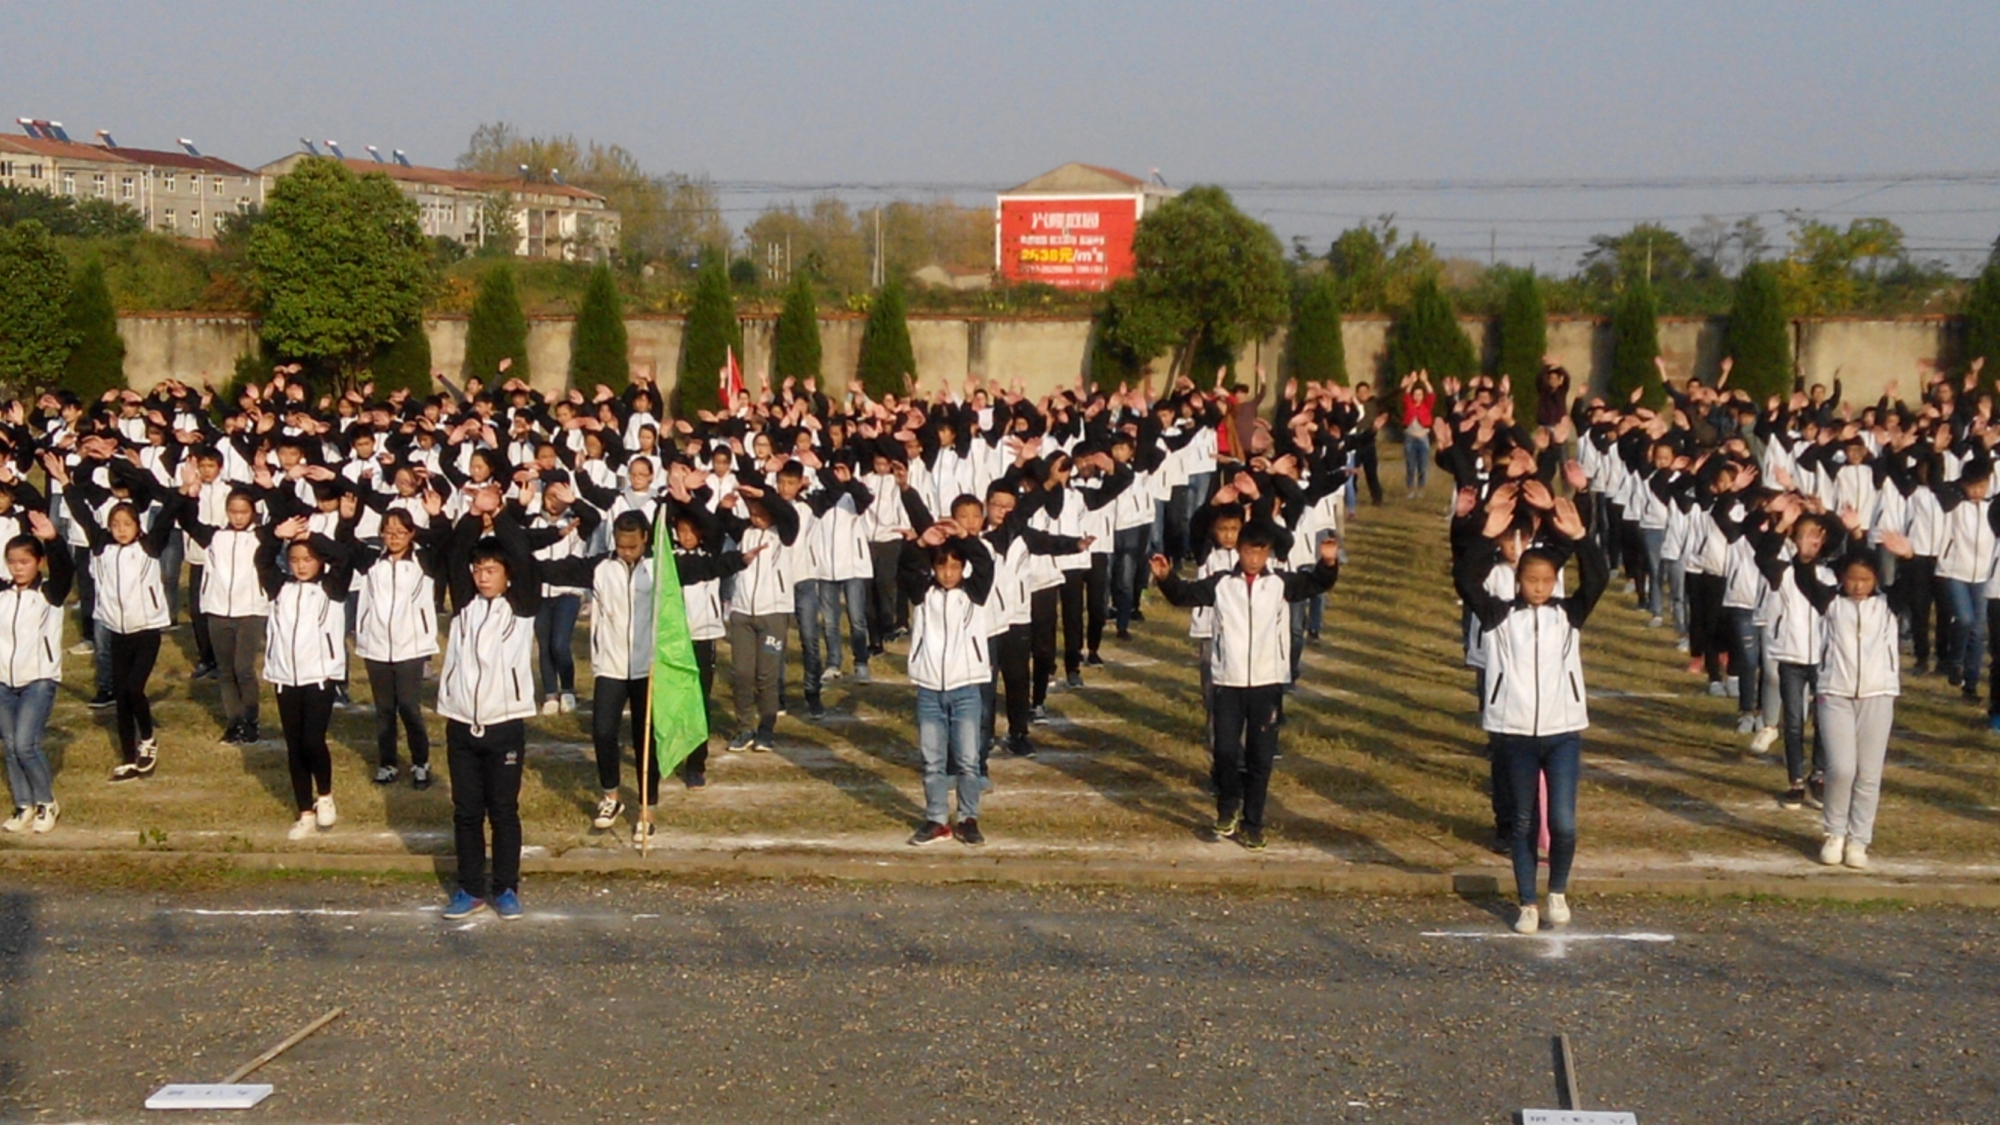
{"points": [[300, 912], [1557, 943]]}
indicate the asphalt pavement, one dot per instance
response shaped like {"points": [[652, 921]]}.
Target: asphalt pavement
{"points": [[619, 1000]]}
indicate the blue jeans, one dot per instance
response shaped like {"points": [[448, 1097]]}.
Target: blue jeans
{"points": [[1968, 631], [948, 737], [816, 605], [1416, 459], [1675, 575], [1654, 538], [1746, 657], [1559, 757], [1128, 572], [24, 714], [555, 629]]}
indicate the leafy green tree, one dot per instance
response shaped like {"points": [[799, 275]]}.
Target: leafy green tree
{"points": [[35, 337], [1129, 332], [598, 351], [1315, 349], [1759, 338], [1524, 340], [712, 332], [1425, 336], [405, 363], [499, 227], [1635, 344], [1377, 270], [97, 363], [1982, 321], [795, 347], [339, 262], [64, 216], [886, 355], [1216, 275], [498, 329]]}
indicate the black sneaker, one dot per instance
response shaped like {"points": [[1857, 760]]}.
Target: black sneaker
{"points": [[931, 833], [234, 734], [1093, 661], [420, 776], [1124, 634], [1502, 843], [1251, 838], [742, 742], [815, 709], [696, 779], [149, 757], [1075, 680], [1226, 827], [385, 775], [1138, 616], [1038, 714], [202, 671], [1793, 798], [1021, 747], [249, 734], [1816, 790], [967, 832], [102, 700]]}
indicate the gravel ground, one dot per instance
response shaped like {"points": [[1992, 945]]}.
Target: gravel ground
{"points": [[623, 1000]]}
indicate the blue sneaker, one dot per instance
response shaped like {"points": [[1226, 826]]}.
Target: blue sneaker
{"points": [[507, 904], [462, 905]]}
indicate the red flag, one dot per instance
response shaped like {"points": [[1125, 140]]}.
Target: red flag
{"points": [[732, 380]]}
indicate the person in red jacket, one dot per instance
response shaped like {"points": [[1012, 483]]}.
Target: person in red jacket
{"points": [[1419, 411]]}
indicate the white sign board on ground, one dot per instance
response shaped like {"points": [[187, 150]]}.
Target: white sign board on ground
{"points": [[1575, 1117], [196, 1096]]}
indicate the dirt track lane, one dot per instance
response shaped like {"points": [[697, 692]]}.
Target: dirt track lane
{"points": [[771, 1003]]}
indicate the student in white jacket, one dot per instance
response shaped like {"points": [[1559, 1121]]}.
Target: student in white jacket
{"points": [[305, 654], [31, 668], [1534, 708], [1250, 665], [395, 631], [1859, 679], [131, 599], [486, 694], [947, 574]]}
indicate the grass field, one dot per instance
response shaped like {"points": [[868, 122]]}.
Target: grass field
{"points": [[1381, 758]]}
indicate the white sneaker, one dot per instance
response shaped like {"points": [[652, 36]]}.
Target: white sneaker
{"points": [[324, 813], [1857, 855], [1731, 687], [1528, 921], [1717, 688], [19, 820], [607, 812], [45, 817], [1558, 910], [83, 648], [305, 828], [830, 675], [1763, 741], [551, 706], [1681, 645], [1746, 723], [567, 704], [1830, 850], [1655, 622]]}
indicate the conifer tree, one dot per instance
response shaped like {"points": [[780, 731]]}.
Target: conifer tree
{"points": [[498, 330], [1759, 340], [1315, 349], [97, 363], [1635, 344], [886, 355], [712, 332], [795, 348], [1524, 340], [598, 351]]}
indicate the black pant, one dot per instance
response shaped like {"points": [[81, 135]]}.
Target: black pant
{"points": [[204, 649], [1915, 593], [1246, 743], [132, 657], [304, 712], [1503, 787], [1008, 650], [396, 687], [704, 663], [1366, 461], [885, 601], [1096, 600], [1042, 638], [609, 699], [486, 788], [1073, 587], [1708, 632]]}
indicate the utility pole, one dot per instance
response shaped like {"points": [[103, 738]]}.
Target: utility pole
{"points": [[879, 272]]}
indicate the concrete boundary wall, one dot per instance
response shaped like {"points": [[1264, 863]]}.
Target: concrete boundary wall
{"points": [[1045, 354]]}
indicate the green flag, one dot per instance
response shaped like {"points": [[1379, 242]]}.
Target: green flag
{"points": [[679, 713]]}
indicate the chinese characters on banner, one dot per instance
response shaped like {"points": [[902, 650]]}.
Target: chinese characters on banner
{"points": [[1075, 243]]}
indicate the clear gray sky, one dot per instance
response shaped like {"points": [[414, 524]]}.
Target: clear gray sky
{"points": [[960, 98]]}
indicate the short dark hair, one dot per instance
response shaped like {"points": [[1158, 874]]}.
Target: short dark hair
{"points": [[965, 498], [490, 549], [26, 543], [1258, 534], [632, 521]]}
